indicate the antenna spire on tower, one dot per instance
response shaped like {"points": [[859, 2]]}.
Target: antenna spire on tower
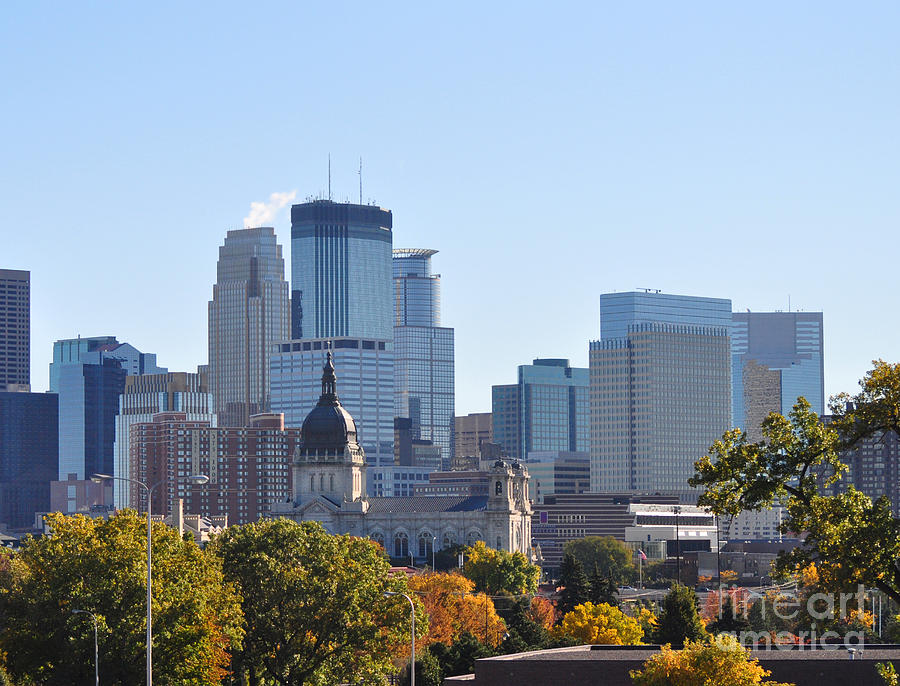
{"points": [[329, 176], [360, 180]]}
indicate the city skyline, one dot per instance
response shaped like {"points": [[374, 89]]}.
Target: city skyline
{"points": [[690, 155]]}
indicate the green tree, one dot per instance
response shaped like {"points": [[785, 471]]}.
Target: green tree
{"points": [[498, 571], [576, 587], [100, 566], [679, 619], [314, 604], [728, 619], [721, 662], [459, 657], [610, 555], [602, 588], [852, 540], [428, 670]]}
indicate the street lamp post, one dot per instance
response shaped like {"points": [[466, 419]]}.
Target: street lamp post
{"points": [[433, 543], [412, 654], [96, 651], [195, 478]]}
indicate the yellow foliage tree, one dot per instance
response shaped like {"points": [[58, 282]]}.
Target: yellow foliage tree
{"points": [[601, 625], [719, 662], [454, 610]]}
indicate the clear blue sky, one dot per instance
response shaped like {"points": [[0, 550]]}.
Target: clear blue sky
{"points": [[550, 152]]}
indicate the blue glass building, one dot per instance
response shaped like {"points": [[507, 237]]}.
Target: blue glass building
{"points": [[28, 455], [341, 271], [423, 352], [776, 358], [660, 389], [546, 410]]}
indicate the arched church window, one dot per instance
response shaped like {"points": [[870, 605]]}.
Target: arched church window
{"points": [[426, 543], [321, 482], [473, 537], [499, 544], [498, 488], [448, 541], [331, 482], [401, 544], [378, 537], [312, 483]]}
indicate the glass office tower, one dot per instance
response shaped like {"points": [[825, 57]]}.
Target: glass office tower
{"points": [[547, 410], [15, 330], [660, 389], [249, 313], [776, 358], [341, 271], [423, 352]]}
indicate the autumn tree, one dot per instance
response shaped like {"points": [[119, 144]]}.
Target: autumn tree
{"points": [[314, 604], [852, 540], [720, 662], [610, 555], [600, 624], [100, 566], [453, 609], [679, 619], [498, 571]]}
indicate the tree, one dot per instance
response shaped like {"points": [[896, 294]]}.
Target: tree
{"points": [[602, 588], [428, 670], [453, 609], [314, 604], [499, 571], [722, 662], [610, 555], [729, 619], [459, 657], [601, 624], [852, 540], [679, 619], [576, 587], [100, 566]]}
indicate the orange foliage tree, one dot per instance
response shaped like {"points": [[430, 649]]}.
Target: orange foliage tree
{"points": [[454, 610]]}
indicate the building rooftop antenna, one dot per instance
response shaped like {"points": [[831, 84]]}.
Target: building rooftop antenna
{"points": [[329, 177], [360, 180]]}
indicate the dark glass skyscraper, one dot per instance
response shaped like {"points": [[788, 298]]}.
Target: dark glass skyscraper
{"points": [[29, 450], [423, 352], [15, 330], [248, 315]]}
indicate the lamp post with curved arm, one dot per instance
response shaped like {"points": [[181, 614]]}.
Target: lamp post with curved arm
{"points": [[412, 654], [195, 478], [96, 651]]}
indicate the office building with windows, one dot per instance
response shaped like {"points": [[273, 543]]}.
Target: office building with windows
{"points": [[547, 409], [660, 389], [776, 358], [147, 395], [15, 330], [366, 368], [248, 314], [29, 455], [423, 352], [470, 432]]}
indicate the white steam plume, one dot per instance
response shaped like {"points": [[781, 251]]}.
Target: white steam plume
{"points": [[263, 213]]}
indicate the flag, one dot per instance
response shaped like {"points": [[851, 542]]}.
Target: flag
{"points": [[642, 555]]}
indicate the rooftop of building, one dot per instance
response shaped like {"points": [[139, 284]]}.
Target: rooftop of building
{"points": [[428, 503]]}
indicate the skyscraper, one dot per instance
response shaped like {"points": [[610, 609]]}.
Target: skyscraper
{"points": [[248, 314], [660, 389], [148, 394], [776, 357], [15, 330], [341, 271], [546, 410], [29, 450], [341, 301], [89, 374], [423, 352]]}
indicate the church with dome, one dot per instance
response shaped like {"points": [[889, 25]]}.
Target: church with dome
{"points": [[329, 486]]}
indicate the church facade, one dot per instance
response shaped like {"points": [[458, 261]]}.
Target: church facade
{"points": [[329, 486]]}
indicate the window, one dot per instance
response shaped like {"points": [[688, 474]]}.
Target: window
{"points": [[401, 544]]}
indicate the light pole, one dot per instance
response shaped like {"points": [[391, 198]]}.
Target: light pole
{"points": [[412, 654], [96, 652], [194, 478], [433, 543]]}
